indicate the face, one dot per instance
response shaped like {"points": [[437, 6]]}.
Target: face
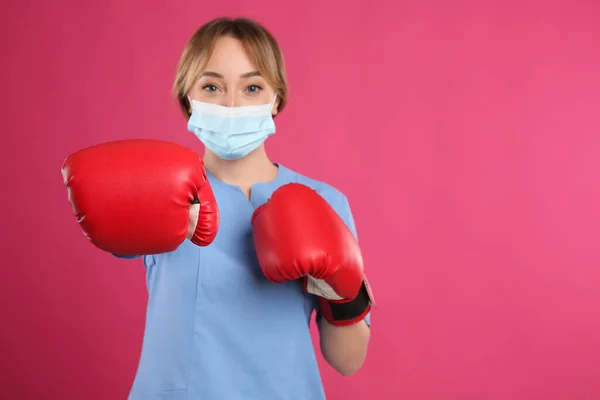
{"points": [[230, 79]]}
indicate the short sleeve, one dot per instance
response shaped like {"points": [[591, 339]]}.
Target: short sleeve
{"points": [[148, 260], [126, 257], [339, 202], [368, 319]]}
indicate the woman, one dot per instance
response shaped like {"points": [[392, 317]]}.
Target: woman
{"points": [[217, 327]]}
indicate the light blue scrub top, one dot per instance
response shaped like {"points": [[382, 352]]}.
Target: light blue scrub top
{"points": [[216, 328]]}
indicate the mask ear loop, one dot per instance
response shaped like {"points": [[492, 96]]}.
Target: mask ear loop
{"points": [[273, 102]]}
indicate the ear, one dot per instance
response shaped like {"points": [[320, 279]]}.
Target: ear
{"points": [[275, 108], [189, 103]]}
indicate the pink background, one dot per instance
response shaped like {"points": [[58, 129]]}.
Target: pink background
{"points": [[465, 134]]}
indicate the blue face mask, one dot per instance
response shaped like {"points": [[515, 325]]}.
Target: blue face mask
{"points": [[231, 132]]}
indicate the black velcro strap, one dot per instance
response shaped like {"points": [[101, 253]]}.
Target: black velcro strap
{"points": [[352, 309]]}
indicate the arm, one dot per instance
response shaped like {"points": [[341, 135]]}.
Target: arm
{"points": [[317, 244], [344, 347]]}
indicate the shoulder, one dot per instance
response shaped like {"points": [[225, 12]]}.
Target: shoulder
{"points": [[330, 193]]}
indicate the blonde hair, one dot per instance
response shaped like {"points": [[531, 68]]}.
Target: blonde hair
{"points": [[262, 48]]}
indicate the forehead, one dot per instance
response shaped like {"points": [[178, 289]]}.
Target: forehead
{"points": [[229, 57]]}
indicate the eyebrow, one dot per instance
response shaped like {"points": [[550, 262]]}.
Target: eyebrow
{"points": [[219, 76]]}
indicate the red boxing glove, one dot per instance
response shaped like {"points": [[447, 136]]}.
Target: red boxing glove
{"points": [[138, 197], [298, 235]]}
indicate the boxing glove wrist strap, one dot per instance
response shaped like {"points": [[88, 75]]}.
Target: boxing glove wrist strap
{"points": [[341, 313]]}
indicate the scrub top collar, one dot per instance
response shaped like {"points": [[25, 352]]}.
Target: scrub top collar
{"points": [[260, 189]]}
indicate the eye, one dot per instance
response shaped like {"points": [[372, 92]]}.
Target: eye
{"points": [[210, 88], [254, 89]]}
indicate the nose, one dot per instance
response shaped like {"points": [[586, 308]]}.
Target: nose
{"points": [[230, 100]]}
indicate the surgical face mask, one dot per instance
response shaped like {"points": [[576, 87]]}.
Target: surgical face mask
{"points": [[231, 132]]}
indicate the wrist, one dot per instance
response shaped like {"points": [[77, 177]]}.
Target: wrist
{"points": [[344, 312]]}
